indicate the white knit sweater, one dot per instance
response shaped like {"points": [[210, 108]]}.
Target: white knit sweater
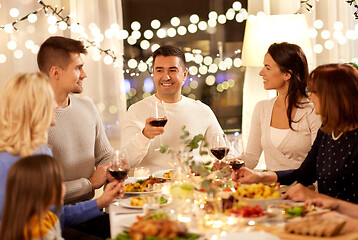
{"points": [[79, 142], [291, 152], [196, 116]]}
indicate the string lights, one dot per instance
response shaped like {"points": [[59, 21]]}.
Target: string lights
{"points": [[201, 64], [56, 20]]}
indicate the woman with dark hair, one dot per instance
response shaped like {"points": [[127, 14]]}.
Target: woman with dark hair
{"points": [[284, 127], [333, 158]]}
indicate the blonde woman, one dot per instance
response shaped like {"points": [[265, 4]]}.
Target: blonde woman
{"points": [[26, 112]]}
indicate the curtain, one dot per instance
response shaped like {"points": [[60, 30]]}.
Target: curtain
{"points": [[104, 82]]}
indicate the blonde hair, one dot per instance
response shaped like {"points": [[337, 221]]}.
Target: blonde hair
{"points": [[26, 112]]}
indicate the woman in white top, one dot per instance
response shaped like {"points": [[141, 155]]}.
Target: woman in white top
{"points": [[283, 127]]}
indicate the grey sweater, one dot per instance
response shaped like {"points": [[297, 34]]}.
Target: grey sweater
{"points": [[79, 143]]}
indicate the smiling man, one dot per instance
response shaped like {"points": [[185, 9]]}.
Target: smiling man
{"points": [[140, 139], [78, 140]]}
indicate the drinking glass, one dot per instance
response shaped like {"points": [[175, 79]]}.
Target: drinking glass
{"points": [[119, 167], [236, 154], [160, 119], [151, 202], [141, 173], [220, 146]]}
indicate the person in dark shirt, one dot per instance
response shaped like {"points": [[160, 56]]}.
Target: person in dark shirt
{"points": [[333, 158]]}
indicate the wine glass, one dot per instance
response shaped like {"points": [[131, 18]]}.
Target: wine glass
{"points": [[220, 146], [160, 119], [234, 158], [119, 167]]}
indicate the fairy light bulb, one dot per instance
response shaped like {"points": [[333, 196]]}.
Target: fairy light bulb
{"points": [[194, 18], [14, 12], [51, 19], [155, 24], [107, 60], [62, 25], [9, 28], [148, 34], [2, 58], [175, 21], [32, 18], [11, 45]]}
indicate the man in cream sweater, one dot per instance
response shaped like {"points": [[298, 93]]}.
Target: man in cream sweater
{"points": [[140, 139]]}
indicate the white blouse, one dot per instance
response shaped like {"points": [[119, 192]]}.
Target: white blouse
{"points": [[277, 135]]}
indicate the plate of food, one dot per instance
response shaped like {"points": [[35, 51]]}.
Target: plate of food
{"points": [[166, 174], [139, 186], [156, 225], [248, 213], [137, 202], [301, 210], [258, 194]]}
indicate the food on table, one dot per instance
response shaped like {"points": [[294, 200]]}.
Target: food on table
{"points": [[258, 191], [143, 185], [140, 200], [161, 228], [247, 212], [296, 211], [319, 226], [302, 210], [182, 191], [168, 174], [154, 215]]}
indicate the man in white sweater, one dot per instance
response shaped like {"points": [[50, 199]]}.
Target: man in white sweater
{"points": [[140, 139], [78, 140]]}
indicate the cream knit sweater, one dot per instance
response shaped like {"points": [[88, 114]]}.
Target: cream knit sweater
{"points": [[196, 116], [291, 152], [79, 142]]}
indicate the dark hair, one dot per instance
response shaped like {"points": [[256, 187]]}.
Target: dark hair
{"points": [[55, 51], [33, 184], [337, 88], [291, 59], [169, 50]]}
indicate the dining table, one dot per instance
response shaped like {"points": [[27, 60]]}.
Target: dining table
{"points": [[270, 227]]}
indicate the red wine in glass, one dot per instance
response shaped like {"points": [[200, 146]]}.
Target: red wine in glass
{"points": [[220, 152], [236, 164], [118, 173], [159, 122]]}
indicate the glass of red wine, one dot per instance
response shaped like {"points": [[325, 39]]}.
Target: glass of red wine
{"points": [[220, 146], [160, 119], [119, 167], [235, 157]]}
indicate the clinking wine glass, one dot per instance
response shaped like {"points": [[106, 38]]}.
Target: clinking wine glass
{"points": [[220, 146], [233, 158], [119, 167], [160, 119]]}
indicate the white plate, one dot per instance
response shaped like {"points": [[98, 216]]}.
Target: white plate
{"points": [[127, 203], [159, 174], [130, 219], [255, 235], [134, 180], [263, 203], [257, 219]]}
